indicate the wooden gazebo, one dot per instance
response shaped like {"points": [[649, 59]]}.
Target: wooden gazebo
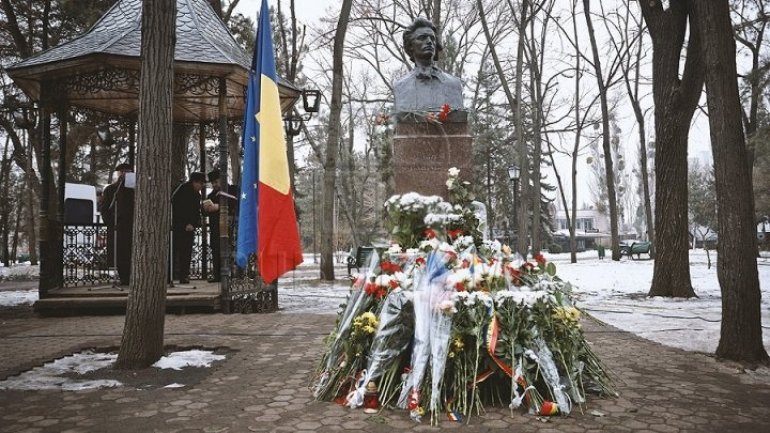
{"points": [[99, 71]]}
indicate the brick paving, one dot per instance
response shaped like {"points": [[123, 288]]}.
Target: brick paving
{"points": [[263, 385]]}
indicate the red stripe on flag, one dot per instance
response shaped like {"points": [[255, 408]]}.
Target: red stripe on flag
{"points": [[278, 246]]}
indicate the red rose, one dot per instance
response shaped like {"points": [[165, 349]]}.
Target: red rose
{"points": [[429, 233], [540, 259]]}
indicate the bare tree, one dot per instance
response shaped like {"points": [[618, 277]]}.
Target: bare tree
{"points": [[741, 334], [332, 146], [142, 342], [676, 97], [608, 163], [630, 47]]}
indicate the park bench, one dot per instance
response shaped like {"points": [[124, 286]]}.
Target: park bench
{"points": [[359, 258], [637, 248]]}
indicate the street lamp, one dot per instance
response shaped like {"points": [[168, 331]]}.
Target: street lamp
{"points": [[513, 175], [293, 124], [311, 100]]}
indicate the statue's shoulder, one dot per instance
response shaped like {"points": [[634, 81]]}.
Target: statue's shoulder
{"points": [[452, 80], [409, 77]]}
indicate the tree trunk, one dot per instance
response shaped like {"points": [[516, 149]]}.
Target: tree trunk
{"points": [[608, 166], [675, 100], [741, 334], [142, 342], [521, 143], [332, 146], [536, 99]]}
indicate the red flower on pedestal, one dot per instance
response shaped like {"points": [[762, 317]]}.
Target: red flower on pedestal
{"points": [[443, 115]]}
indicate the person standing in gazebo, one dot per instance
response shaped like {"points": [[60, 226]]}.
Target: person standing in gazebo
{"points": [[117, 209], [185, 218]]}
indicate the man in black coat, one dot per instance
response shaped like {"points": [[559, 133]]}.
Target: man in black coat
{"points": [[211, 207], [186, 217], [117, 209]]}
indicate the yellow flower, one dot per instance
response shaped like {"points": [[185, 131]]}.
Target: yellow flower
{"points": [[368, 329], [419, 411], [458, 343]]}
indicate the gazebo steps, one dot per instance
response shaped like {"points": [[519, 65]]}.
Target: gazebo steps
{"points": [[109, 300]]}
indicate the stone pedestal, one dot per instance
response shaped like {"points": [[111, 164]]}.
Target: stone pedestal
{"points": [[423, 153]]}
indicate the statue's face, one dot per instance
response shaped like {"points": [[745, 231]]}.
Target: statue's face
{"points": [[423, 45]]}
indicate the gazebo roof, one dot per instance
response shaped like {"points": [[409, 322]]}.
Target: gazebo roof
{"points": [[99, 70]]}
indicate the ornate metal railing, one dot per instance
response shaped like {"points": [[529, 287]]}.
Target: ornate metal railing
{"points": [[248, 293], [85, 256], [88, 263]]}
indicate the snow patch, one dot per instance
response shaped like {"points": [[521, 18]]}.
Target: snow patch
{"points": [[190, 358], [15, 298], [62, 374]]}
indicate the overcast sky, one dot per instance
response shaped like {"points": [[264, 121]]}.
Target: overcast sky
{"points": [[308, 11], [311, 11]]}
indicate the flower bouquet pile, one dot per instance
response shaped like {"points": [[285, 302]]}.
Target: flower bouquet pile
{"points": [[447, 323]]}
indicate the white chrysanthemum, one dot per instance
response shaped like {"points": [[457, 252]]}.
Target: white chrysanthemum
{"points": [[463, 242], [394, 249], [446, 306], [458, 297], [480, 297], [383, 280], [454, 171], [495, 246], [432, 244]]}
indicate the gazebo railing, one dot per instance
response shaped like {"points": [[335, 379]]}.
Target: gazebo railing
{"points": [[87, 262]]}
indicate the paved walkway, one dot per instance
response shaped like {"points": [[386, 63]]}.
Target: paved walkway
{"points": [[263, 385]]}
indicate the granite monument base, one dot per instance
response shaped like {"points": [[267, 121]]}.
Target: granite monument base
{"points": [[424, 152]]}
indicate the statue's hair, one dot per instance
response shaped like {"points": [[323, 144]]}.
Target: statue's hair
{"points": [[420, 22]]}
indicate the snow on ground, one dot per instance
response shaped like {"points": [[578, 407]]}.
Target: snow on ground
{"points": [[14, 298], [616, 293], [189, 358], [21, 271], [62, 374]]}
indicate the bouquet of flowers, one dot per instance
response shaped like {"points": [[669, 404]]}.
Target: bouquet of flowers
{"points": [[448, 322]]}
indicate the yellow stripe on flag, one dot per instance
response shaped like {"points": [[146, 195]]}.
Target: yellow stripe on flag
{"points": [[273, 162]]}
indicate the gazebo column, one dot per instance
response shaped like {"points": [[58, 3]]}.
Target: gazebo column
{"points": [[224, 214], [44, 285], [204, 227], [62, 108]]}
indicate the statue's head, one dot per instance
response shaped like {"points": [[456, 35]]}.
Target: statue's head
{"points": [[421, 42]]}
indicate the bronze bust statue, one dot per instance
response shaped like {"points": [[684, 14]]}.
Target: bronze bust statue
{"points": [[426, 87]]}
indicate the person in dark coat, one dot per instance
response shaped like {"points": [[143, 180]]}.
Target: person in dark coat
{"points": [[117, 209], [186, 217], [211, 207]]}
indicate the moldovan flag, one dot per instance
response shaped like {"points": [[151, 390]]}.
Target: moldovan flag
{"points": [[267, 224]]}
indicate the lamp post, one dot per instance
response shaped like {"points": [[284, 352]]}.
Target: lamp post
{"points": [[315, 258], [513, 175], [293, 124]]}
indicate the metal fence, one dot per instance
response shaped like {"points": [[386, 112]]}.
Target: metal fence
{"points": [[88, 263]]}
